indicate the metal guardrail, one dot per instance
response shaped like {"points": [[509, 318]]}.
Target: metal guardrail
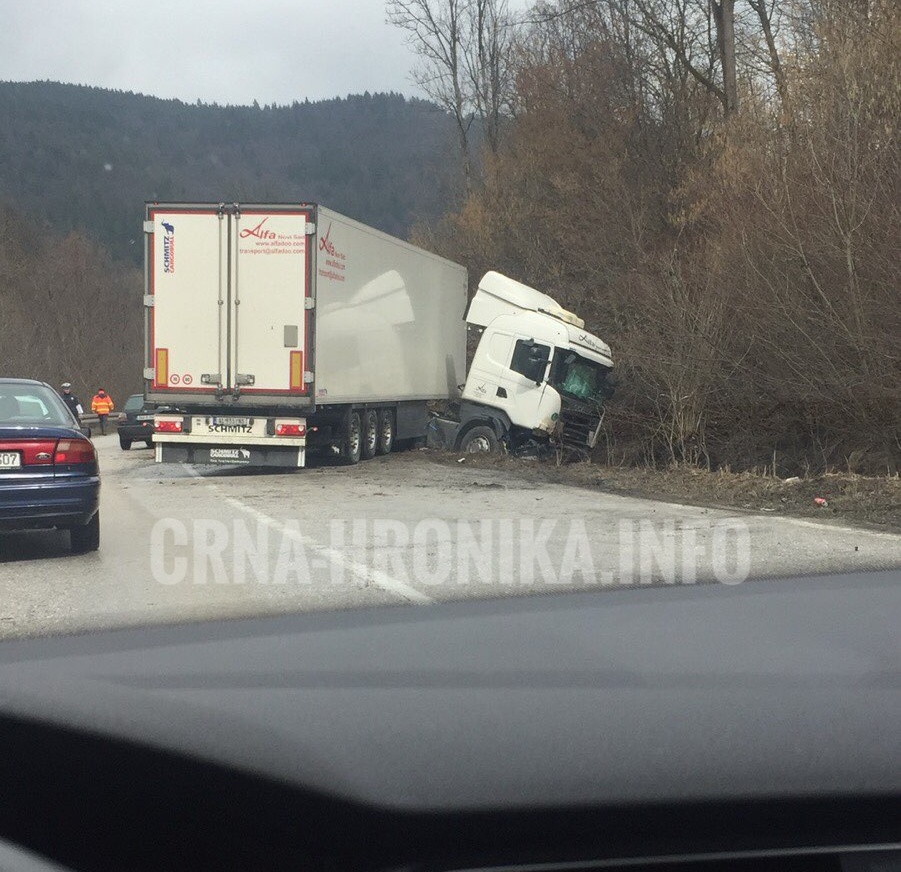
{"points": [[89, 419]]}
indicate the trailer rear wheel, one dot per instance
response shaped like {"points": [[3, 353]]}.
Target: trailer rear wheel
{"points": [[370, 434], [353, 442], [479, 440], [386, 432]]}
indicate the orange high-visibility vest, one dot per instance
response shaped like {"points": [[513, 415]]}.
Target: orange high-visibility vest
{"points": [[102, 405]]}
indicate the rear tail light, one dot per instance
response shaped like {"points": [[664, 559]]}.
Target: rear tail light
{"points": [[74, 451], [283, 429], [167, 426]]}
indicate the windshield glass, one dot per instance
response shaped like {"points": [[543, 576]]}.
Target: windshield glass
{"points": [[24, 405], [322, 427], [578, 377]]}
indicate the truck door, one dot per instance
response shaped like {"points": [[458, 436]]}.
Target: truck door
{"points": [[524, 380], [270, 302], [187, 280]]}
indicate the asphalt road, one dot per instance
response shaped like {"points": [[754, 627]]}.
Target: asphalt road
{"points": [[183, 544]]}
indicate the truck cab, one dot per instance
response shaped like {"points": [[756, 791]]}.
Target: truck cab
{"points": [[537, 376]]}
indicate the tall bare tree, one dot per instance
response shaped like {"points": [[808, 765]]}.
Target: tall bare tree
{"points": [[465, 49]]}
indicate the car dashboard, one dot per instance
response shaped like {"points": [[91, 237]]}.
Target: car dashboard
{"points": [[702, 728]]}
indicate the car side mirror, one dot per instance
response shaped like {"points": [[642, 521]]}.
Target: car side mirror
{"points": [[85, 431]]}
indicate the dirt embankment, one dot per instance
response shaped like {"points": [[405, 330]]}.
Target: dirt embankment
{"points": [[855, 499]]}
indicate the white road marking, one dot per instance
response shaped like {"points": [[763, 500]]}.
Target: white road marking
{"points": [[367, 574]]}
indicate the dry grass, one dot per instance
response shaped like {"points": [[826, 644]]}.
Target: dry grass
{"points": [[855, 499]]}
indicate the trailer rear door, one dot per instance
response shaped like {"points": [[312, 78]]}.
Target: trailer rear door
{"points": [[230, 300], [188, 285], [269, 330]]}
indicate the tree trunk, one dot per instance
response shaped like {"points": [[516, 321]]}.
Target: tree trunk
{"points": [[724, 16]]}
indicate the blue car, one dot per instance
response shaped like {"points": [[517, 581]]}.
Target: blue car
{"points": [[49, 475]]}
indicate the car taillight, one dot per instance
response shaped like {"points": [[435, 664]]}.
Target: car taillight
{"points": [[167, 426], [74, 451], [290, 430]]}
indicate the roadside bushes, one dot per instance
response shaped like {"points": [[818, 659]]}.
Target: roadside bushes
{"points": [[745, 266]]}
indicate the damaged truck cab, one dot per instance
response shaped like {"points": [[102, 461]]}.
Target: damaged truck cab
{"points": [[537, 377]]}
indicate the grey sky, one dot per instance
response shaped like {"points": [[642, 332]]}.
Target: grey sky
{"points": [[229, 51]]}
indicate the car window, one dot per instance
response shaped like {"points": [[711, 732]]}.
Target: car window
{"points": [[530, 359], [134, 403], [32, 405]]}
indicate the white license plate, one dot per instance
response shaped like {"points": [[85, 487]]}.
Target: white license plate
{"points": [[10, 460], [144, 418], [229, 421]]}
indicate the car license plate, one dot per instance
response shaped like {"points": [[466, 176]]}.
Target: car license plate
{"points": [[145, 417], [10, 460], [229, 421]]}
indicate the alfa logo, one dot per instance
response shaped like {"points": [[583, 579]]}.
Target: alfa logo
{"points": [[259, 231], [326, 245]]}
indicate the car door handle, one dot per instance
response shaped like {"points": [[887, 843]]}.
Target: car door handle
{"points": [[502, 392]]}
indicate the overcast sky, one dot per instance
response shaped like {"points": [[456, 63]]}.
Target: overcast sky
{"points": [[228, 51]]}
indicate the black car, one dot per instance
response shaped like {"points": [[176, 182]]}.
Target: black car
{"points": [[135, 422], [48, 467]]}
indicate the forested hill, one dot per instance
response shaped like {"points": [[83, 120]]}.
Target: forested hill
{"points": [[74, 157]]}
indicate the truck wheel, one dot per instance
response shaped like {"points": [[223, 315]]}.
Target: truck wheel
{"points": [[124, 443], [86, 538], [370, 434], [353, 442], [479, 440], [386, 432]]}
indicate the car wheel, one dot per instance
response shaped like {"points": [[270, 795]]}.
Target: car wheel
{"points": [[86, 538], [370, 434], [124, 443], [353, 442], [386, 432], [479, 440]]}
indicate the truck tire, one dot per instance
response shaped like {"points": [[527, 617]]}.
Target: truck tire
{"points": [[479, 440], [86, 538], [370, 441], [386, 432], [353, 440], [124, 443]]}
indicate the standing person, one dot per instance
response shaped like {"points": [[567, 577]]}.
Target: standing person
{"points": [[102, 405], [72, 401]]}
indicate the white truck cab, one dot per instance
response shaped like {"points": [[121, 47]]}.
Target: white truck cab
{"points": [[537, 375]]}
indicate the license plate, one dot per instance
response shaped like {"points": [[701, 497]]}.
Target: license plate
{"points": [[10, 460], [229, 421], [144, 417]]}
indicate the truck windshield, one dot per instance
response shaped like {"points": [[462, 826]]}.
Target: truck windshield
{"points": [[579, 377]]}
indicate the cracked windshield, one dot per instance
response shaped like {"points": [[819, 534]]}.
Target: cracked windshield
{"points": [[460, 299]]}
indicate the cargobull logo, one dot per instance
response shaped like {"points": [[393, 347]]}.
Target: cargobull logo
{"points": [[168, 248]]}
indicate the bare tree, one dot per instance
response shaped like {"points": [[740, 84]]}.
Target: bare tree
{"points": [[465, 51]]}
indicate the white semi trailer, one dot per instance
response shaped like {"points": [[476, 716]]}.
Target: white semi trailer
{"points": [[271, 329]]}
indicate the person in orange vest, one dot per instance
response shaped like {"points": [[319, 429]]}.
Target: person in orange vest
{"points": [[102, 405]]}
